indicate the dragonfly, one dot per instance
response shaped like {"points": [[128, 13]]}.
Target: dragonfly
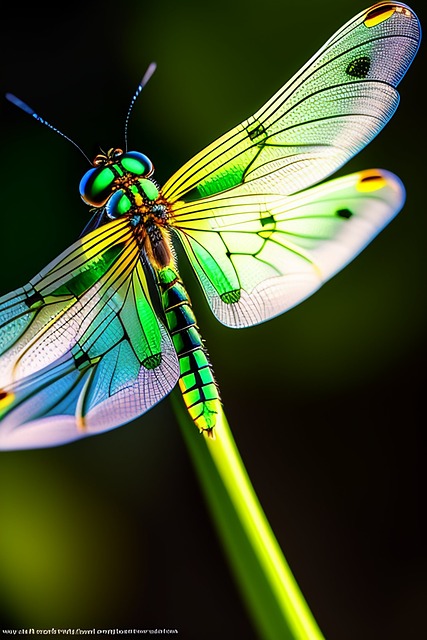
{"points": [[107, 329]]}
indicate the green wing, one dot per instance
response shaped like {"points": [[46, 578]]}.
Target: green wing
{"points": [[260, 244], [258, 255], [81, 349], [324, 115]]}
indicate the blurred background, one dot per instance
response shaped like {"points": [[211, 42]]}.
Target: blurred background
{"points": [[325, 402]]}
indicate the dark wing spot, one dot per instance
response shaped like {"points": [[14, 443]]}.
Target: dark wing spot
{"points": [[81, 361], [3, 394], [152, 361], [267, 219], [344, 213], [230, 297], [34, 299], [257, 132], [268, 224], [359, 68], [372, 178]]}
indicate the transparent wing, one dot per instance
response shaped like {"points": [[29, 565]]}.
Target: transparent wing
{"points": [[257, 255], [324, 115], [81, 349]]}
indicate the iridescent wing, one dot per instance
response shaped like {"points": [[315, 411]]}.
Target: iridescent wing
{"points": [[257, 255], [258, 245], [324, 115], [81, 348]]}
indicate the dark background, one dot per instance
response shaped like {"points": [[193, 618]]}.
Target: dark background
{"points": [[326, 403]]}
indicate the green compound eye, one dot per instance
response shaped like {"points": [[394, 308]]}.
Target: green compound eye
{"points": [[118, 204], [95, 186], [137, 163]]}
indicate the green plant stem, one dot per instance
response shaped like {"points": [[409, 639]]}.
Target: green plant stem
{"points": [[272, 596]]}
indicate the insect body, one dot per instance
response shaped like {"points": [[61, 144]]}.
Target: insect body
{"points": [[83, 350], [121, 182], [197, 382]]}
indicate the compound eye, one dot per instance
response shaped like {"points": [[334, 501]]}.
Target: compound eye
{"points": [[137, 163], [96, 186], [118, 205]]}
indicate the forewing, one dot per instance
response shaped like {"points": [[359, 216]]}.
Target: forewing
{"points": [[324, 115], [258, 255], [82, 350]]}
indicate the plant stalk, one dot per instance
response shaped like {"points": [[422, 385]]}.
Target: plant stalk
{"points": [[271, 593]]}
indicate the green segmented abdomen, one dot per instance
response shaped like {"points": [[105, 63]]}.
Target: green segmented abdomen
{"points": [[197, 382]]}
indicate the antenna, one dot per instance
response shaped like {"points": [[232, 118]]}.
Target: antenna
{"points": [[147, 75], [25, 107]]}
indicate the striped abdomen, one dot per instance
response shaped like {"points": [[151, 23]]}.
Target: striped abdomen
{"points": [[197, 382]]}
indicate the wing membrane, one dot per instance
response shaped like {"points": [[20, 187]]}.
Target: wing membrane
{"points": [[82, 350], [324, 115], [257, 255]]}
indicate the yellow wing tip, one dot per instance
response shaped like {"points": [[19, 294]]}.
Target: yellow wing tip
{"points": [[6, 399], [371, 180], [383, 11]]}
